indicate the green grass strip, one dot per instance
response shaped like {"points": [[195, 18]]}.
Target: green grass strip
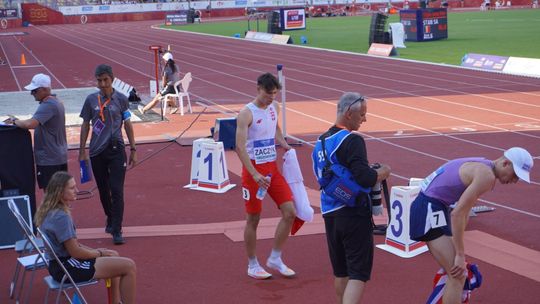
{"points": [[503, 33]]}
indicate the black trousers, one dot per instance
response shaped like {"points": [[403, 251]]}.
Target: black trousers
{"points": [[44, 173], [109, 168]]}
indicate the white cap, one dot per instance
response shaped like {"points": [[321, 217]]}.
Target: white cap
{"points": [[167, 56], [522, 162], [39, 81]]}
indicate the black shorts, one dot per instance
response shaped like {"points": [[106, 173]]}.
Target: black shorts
{"points": [[431, 235], [44, 173], [168, 90], [80, 270], [350, 246], [421, 227]]}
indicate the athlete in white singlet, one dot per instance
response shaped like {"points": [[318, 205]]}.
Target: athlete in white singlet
{"points": [[257, 133]]}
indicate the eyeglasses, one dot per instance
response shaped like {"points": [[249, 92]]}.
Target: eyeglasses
{"points": [[34, 91], [357, 100]]}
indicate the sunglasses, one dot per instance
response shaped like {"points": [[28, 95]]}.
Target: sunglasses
{"points": [[34, 91], [357, 100]]}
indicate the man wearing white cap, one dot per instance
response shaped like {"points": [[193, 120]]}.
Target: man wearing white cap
{"points": [[171, 74], [49, 124], [461, 181]]}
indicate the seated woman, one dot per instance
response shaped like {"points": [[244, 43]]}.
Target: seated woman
{"points": [[171, 74], [83, 263]]}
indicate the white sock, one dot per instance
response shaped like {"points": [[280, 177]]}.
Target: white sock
{"points": [[275, 255], [253, 262]]}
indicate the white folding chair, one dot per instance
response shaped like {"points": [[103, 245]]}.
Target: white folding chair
{"points": [[67, 281], [181, 88], [125, 89], [128, 89], [119, 85], [31, 262], [23, 248], [115, 83]]}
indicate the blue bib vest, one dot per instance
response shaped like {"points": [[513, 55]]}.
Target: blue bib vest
{"points": [[332, 144]]}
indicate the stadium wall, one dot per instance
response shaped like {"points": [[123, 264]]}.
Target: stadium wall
{"points": [[7, 23], [38, 14]]}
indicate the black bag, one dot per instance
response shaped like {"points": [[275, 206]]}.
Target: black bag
{"points": [[133, 97]]}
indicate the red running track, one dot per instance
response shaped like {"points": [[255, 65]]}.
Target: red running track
{"points": [[419, 116]]}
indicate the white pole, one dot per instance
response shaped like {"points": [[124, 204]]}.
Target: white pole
{"points": [[283, 100]]}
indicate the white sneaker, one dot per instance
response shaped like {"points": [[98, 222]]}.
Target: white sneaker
{"points": [[258, 273], [278, 265]]}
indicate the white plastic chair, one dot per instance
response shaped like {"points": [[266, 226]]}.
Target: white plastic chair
{"points": [[179, 95], [31, 262], [126, 89], [121, 86], [67, 281], [115, 83]]}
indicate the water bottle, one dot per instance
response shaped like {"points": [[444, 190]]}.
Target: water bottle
{"points": [[261, 193]]}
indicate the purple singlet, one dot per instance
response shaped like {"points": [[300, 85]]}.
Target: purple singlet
{"points": [[445, 184]]}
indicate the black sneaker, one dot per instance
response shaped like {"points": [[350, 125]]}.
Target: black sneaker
{"points": [[108, 227], [118, 239]]}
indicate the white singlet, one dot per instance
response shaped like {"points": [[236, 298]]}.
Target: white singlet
{"points": [[260, 144]]}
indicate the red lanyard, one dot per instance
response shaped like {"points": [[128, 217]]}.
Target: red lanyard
{"points": [[102, 106]]}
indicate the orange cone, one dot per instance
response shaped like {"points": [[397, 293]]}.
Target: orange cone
{"points": [[23, 59]]}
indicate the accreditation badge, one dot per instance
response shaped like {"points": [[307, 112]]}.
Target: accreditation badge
{"points": [[97, 127], [264, 150]]}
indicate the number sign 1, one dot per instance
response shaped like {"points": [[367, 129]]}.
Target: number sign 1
{"points": [[213, 175], [397, 240], [195, 155]]}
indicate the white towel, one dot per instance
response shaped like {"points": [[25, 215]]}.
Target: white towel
{"points": [[293, 176]]}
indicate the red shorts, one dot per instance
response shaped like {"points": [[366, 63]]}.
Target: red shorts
{"points": [[279, 190]]}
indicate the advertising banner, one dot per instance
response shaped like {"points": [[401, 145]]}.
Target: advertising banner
{"points": [[484, 62], [523, 66], [424, 24], [176, 19], [293, 19], [379, 49], [8, 13]]}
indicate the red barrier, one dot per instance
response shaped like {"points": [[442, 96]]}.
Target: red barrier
{"points": [[38, 14], [10, 23]]}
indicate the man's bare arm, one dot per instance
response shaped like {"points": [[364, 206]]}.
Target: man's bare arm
{"points": [[85, 129], [481, 180], [243, 121]]}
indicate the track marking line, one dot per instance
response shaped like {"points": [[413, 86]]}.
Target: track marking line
{"points": [[10, 66], [41, 63]]}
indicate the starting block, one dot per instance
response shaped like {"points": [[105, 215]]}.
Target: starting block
{"points": [[397, 239], [212, 173], [480, 209], [477, 209]]}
